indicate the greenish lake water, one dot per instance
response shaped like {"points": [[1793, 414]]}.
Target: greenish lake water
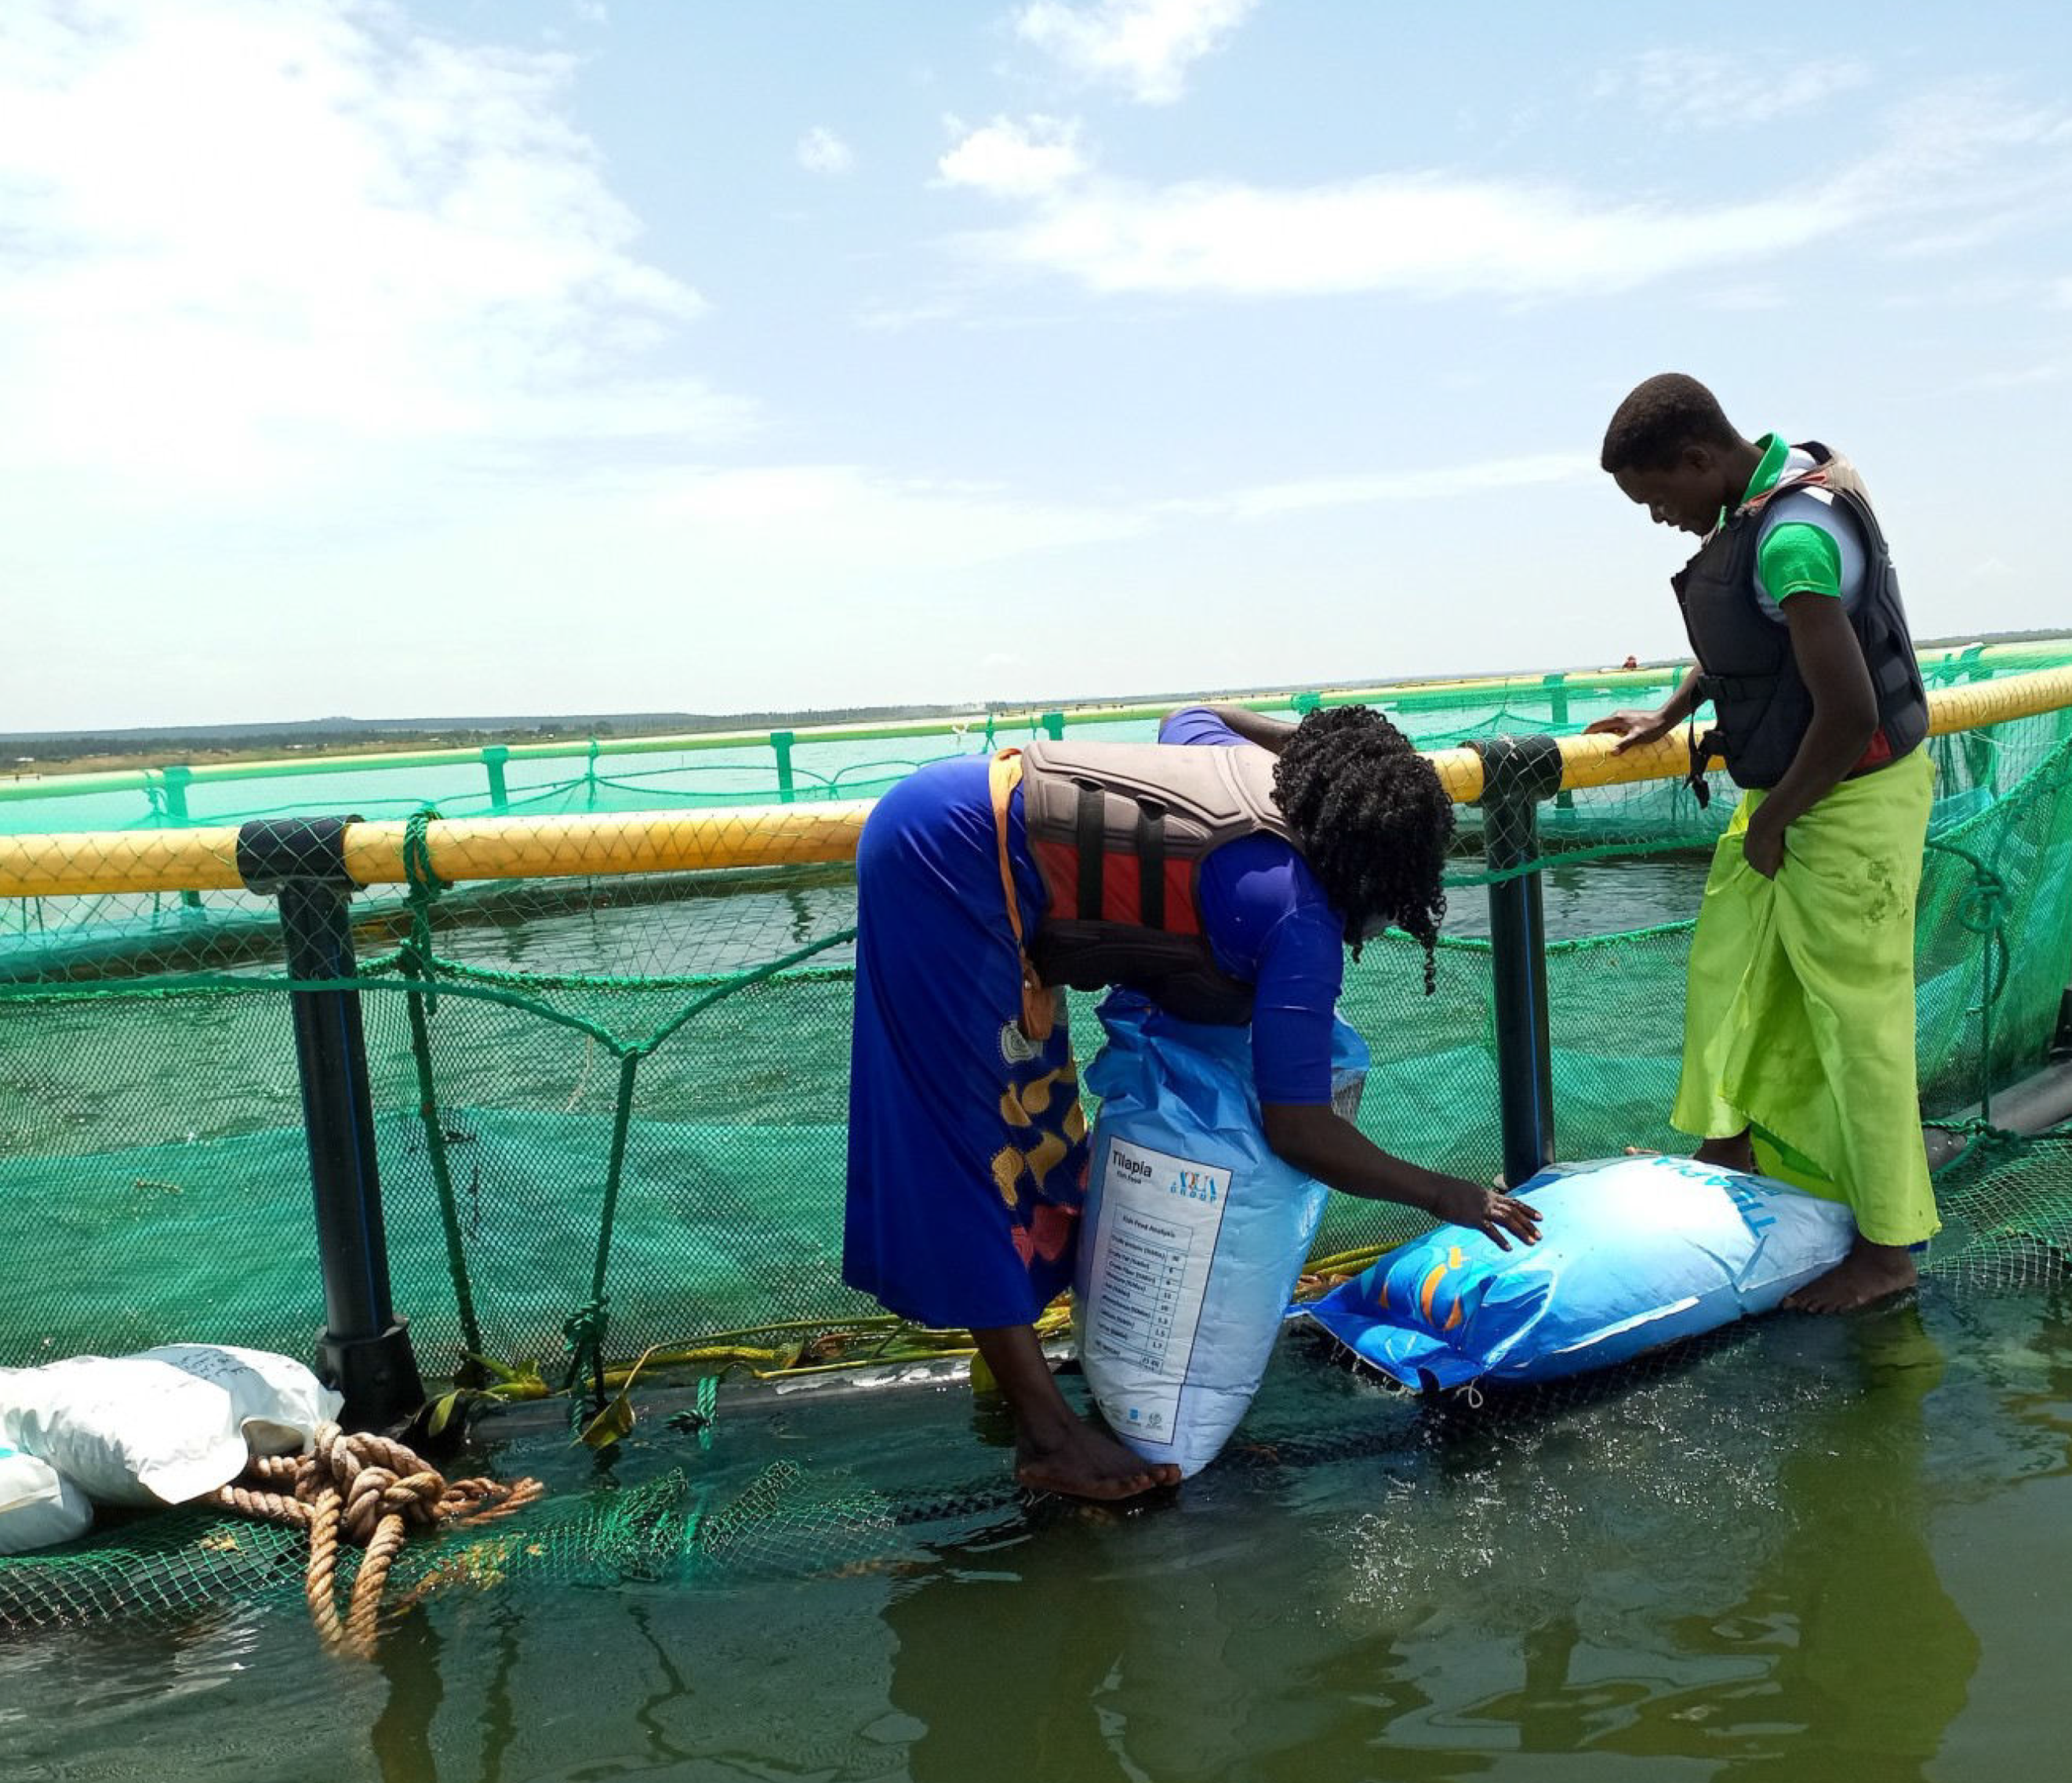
{"points": [[1827, 1550]]}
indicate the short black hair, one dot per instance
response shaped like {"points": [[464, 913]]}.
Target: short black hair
{"points": [[1372, 821], [1659, 419]]}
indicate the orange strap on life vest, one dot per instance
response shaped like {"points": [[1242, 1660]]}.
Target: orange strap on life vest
{"points": [[1040, 1005]]}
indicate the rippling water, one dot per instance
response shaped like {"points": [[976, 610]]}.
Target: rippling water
{"points": [[1831, 1550]]}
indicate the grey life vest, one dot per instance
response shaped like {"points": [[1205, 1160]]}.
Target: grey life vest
{"points": [[1119, 831], [1760, 704]]}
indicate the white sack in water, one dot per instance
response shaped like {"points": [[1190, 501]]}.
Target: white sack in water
{"points": [[38, 1507], [165, 1425]]}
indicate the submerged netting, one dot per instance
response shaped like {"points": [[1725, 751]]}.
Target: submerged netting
{"points": [[610, 1115], [675, 1513]]}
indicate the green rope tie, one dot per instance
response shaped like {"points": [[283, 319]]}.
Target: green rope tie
{"points": [[584, 1330], [420, 965], [708, 1409], [1984, 912], [425, 887]]}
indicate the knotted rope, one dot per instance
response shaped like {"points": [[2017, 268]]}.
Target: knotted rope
{"points": [[368, 1490]]}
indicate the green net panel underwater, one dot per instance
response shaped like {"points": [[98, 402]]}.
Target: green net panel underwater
{"points": [[609, 1093]]}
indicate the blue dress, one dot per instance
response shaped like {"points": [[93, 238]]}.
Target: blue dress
{"points": [[967, 1147]]}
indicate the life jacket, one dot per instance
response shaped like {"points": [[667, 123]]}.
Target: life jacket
{"points": [[1761, 704], [1119, 831]]}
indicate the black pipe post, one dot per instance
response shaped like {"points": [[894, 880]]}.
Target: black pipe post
{"points": [[1517, 772], [364, 1352]]}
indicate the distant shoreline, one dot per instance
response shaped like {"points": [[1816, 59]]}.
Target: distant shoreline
{"points": [[41, 754]]}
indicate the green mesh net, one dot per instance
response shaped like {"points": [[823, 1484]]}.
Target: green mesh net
{"points": [[2007, 1203], [638, 1085]]}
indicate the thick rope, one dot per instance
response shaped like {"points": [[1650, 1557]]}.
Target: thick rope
{"points": [[371, 1492]]}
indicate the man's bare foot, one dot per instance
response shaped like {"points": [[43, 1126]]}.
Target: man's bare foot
{"points": [[1869, 1272], [1080, 1462], [1736, 1152]]}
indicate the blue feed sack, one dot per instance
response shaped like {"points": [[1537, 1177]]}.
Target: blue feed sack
{"points": [[1194, 1232], [1634, 1253]]}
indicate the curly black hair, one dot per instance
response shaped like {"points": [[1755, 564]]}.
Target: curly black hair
{"points": [[1659, 419], [1371, 818]]}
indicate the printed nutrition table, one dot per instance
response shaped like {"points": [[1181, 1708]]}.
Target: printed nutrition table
{"points": [[1143, 1271]]}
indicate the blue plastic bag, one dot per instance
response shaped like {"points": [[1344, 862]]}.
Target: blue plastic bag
{"points": [[1194, 1232], [1634, 1253]]}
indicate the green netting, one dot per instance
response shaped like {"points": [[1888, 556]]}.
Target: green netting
{"points": [[641, 1083], [2006, 1204], [150, 1113]]}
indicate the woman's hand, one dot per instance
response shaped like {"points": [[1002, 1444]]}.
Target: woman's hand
{"points": [[1632, 728], [1325, 1145], [1489, 1211]]}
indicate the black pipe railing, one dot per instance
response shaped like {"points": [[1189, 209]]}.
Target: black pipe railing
{"points": [[365, 1351], [1517, 772]]}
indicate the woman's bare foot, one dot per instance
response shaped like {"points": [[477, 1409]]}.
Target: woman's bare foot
{"points": [[1080, 1462], [1055, 1449], [1869, 1272]]}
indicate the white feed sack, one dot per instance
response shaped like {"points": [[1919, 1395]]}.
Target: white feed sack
{"points": [[165, 1425]]}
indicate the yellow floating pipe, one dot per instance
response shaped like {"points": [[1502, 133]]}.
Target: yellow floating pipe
{"points": [[1460, 773], [119, 860], [1981, 703], [1589, 761], [761, 835], [542, 848]]}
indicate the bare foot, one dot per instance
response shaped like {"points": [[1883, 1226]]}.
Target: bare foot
{"points": [[1082, 1463], [1869, 1272], [1734, 1152]]}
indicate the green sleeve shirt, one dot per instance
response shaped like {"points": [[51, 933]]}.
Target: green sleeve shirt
{"points": [[1807, 545]]}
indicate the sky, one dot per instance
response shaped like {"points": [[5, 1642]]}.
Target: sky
{"points": [[453, 356]]}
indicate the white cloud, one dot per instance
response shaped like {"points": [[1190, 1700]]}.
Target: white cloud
{"points": [[1435, 234], [774, 522], [668, 588], [2052, 370], [253, 244], [1267, 501], [1425, 234], [1146, 46], [821, 151], [1751, 298], [1708, 92], [1012, 160]]}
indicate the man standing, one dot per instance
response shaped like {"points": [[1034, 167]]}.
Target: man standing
{"points": [[1798, 1021]]}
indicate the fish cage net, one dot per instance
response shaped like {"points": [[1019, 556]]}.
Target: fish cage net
{"points": [[611, 1106]]}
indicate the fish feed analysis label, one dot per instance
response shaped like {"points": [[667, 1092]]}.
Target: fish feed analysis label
{"points": [[1160, 1216], [1194, 1231]]}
